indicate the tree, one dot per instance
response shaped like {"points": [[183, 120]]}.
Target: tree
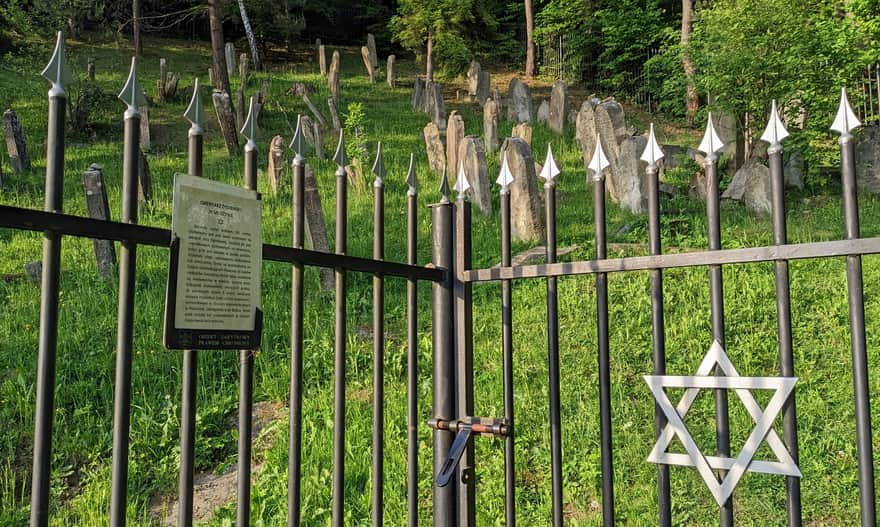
{"points": [[252, 41], [221, 72], [530, 40], [692, 102], [136, 27]]}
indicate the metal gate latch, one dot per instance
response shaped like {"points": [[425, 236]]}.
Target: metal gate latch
{"points": [[485, 426]]}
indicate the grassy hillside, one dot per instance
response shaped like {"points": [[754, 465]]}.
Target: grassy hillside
{"points": [[84, 395]]}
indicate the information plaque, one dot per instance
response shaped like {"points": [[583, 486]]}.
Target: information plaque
{"points": [[213, 296]]}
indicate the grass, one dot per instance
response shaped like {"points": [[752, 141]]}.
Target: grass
{"points": [[84, 394]]}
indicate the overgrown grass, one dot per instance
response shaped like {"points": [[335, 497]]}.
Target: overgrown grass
{"points": [[84, 394]]}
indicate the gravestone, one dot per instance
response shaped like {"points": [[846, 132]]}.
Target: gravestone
{"points": [[171, 83], [751, 185], [264, 91], [211, 76], [160, 84], [610, 120], [697, 186], [499, 101], [454, 137], [490, 125], [418, 96], [525, 205], [334, 115], [16, 146], [371, 49], [145, 127], [483, 87], [473, 79], [276, 165], [308, 129], [90, 69], [867, 155], [626, 181], [434, 147], [145, 181], [522, 131], [239, 108], [368, 63], [243, 69], [794, 170], [434, 104], [333, 76], [585, 131], [572, 116], [543, 115], [314, 109], [34, 271], [99, 209], [390, 77], [318, 135], [226, 119], [230, 59], [472, 156], [519, 102], [558, 106], [605, 127], [322, 59], [316, 227]]}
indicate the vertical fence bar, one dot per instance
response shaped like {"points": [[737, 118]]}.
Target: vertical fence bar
{"points": [[652, 154], [133, 97], [844, 123], [378, 475], [56, 72], [443, 397], [504, 180], [774, 134], [246, 357], [337, 515], [412, 352], [294, 452], [190, 357]]}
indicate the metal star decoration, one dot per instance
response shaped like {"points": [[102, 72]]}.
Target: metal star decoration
{"points": [[462, 185], [505, 178], [599, 162], [845, 121], [296, 143], [249, 128], [57, 71], [711, 143], [194, 113], [444, 187], [411, 176], [131, 93], [744, 461], [379, 167], [340, 156], [653, 153], [550, 169], [775, 131]]}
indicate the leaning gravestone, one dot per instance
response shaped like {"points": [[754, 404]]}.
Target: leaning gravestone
{"points": [[318, 134], [334, 114], [145, 127], [371, 49], [626, 183], [472, 156], [390, 77], [483, 87], [519, 102], [610, 120], [523, 131], [434, 147], [276, 165], [418, 96], [585, 131], [16, 146], [867, 150], [226, 119], [368, 63], [558, 106], [319, 117], [230, 58], [333, 76], [490, 125], [322, 59], [454, 137], [316, 228], [308, 129], [525, 205], [99, 209], [473, 79], [434, 104]]}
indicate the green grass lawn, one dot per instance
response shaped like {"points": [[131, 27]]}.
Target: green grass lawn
{"points": [[87, 326]]}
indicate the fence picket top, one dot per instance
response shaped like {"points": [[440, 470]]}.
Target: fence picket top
{"points": [[711, 143], [599, 161], [340, 157], [58, 71], [462, 185], [296, 143], [411, 176], [550, 169], [249, 128], [845, 121], [132, 94], [194, 112], [775, 132], [379, 167], [444, 187], [653, 152], [505, 178]]}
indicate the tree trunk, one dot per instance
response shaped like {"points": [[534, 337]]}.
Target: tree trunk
{"points": [[429, 60], [530, 40], [221, 73], [692, 102], [136, 27], [252, 41]]}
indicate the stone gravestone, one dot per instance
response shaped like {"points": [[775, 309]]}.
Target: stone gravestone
{"points": [[585, 131], [160, 84], [145, 181], [243, 69], [472, 156], [334, 115], [314, 109], [275, 168], [558, 106], [454, 137], [368, 63], [390, 77], [543, 115], [371, 49], [434, 104], [145, 127], [609, 118], [308, 129], [226, 119], [490, 125], [473, 79], [794, 170], [16, 146], [322, 59], [606, 128], [316, 228], [418, 96], [626, 183], [867, 154], [525, 204], [99, 209], [523, 131], [499, 101], [483, 87], [434, 147], [90, 69], [333, 76], [751, 185], [239, 108], [230, 59], [318, 135], [519, 102]]}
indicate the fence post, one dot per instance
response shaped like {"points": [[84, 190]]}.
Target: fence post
{"points": [[505, 178], [58, 74], [337, 515], [412, 351], [378, 476], [443, 397]]}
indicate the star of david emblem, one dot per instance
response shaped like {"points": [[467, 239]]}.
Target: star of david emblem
{"points": [[721, 489]]}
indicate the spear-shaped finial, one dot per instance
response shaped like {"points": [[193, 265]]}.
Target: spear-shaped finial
{"points": [[505, 178], [296, 144], [411, 176], [653, 153], [249, 129], [599, 162], [339, 157], [444, 187], [379, 167], [194, 113], [462, 184], [131, 93], [775, 131], [57, 71], [550, 169], [711, 142], [845, 121]]}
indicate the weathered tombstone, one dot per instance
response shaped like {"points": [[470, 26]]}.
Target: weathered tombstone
{"points": [[543, 115], [334, 115], [171, 85], [472, 156], [368, 63], [318, 135], [434, 148], [473, 79], [525, 205], [145, 181], [16, 146], [371, 49], [230, 58], [523, 131], [316, 228], [558, 106], [751, 185], [610, 121], [490, 125], [90, 69], [572, 116], [145, 127], [867, 150], [211, 76], [333, 76], [499, 101], [322, 59], [625, 183], [239, 108], [519, 102], [605, 127], [243, 69], [99, 209], [697, 187], [264, 91], [418, 96], [276, 165], [454, 137], [226, 119], [163, 75], [390, 77], [794, 170], [483, 87], [585, 131], [308, 129], [315, 112], [435, 107]]}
